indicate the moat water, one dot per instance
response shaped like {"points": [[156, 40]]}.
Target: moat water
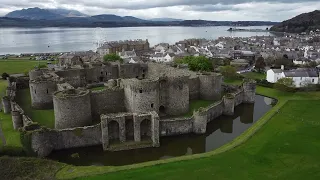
{"points": [[40, 40], [219, 132]]}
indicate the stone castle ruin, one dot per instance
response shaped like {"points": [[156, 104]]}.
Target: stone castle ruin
{"points": [[135, 106]]}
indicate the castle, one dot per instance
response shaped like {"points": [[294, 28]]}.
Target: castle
{"points": [[135, 106]]}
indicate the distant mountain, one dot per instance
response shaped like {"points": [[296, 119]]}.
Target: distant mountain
{"points": [[67, 12], [301, 23], [34, 14], [165, 19], [115, 18]]}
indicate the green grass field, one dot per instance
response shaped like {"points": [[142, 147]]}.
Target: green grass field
{"points": [[43, 117], [254, 75], [14, 66], [98, 88]]}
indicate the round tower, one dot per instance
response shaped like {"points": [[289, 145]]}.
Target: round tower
{"points": [[72, 108], [141, 95], [249, 91], [210, 86], [41, 91]]}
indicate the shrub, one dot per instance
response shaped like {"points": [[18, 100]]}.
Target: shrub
{"points": [[112, 58], [199, 63], [229, 72], [5, 75]]}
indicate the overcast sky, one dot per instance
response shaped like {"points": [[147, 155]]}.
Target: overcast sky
{"points": [[272, 10]]}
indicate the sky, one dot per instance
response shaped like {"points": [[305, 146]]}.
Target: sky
{"points": [[231, 10]]}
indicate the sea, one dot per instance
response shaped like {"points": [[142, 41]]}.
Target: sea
{"points": [[44, 40]]}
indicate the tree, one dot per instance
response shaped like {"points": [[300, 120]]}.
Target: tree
{"points": [[4, 75], [286, 81], [112, 58], [199, 63], [228, 71], [285, 84], [260, 64], [312, 64]]}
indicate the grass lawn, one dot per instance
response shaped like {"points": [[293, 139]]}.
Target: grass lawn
{"points": [[285, 145], [254, 75], [43, 117], [197, 104], [12, 137], [98, 88], [15, 66]]}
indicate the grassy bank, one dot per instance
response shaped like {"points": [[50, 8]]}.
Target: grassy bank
{"points": [[27, 168], [15, 66], [254, 75]]}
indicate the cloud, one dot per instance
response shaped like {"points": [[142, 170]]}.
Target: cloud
{"points": [[273, 10]]}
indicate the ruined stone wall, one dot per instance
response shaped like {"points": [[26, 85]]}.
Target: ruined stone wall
{"points": [[92, 74], [156, 70], [35, 73], [109, 71], [72, 108], [106, 101], [178, 95], [75, 77], [210, 86], [194, 88], [215, 110], [133, 71], [141, 95], [177, 126], [41, 93], [238, 97], [44, 142], [249, 91]]}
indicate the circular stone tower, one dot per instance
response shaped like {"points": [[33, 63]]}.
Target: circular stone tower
{"points": [[72, 108], [249, 91], [41, 91]]}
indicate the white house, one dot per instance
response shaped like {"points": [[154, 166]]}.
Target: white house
{"points": [[300, 77], [127, 54], [162, 57]]}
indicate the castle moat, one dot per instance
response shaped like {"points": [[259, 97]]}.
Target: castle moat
{"points": [[219, 132]]}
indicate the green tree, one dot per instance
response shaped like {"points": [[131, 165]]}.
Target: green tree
{"points": [[4, 75], [228, 71], [286, 81], [199, 63], [260, 64], [112, 58]]}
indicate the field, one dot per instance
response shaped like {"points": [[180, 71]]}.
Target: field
{"points": [[15, 66]]}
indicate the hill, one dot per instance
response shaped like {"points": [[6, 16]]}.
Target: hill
{"points": [[165, 19], [301, 23], [34, 14], [67, 12]]}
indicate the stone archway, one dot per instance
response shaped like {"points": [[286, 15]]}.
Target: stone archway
{"points": [[145, 130], [129, 128], [113, 132]]}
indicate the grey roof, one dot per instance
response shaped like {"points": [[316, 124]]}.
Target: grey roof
{"points": [[277, 70], [300, 73]]}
